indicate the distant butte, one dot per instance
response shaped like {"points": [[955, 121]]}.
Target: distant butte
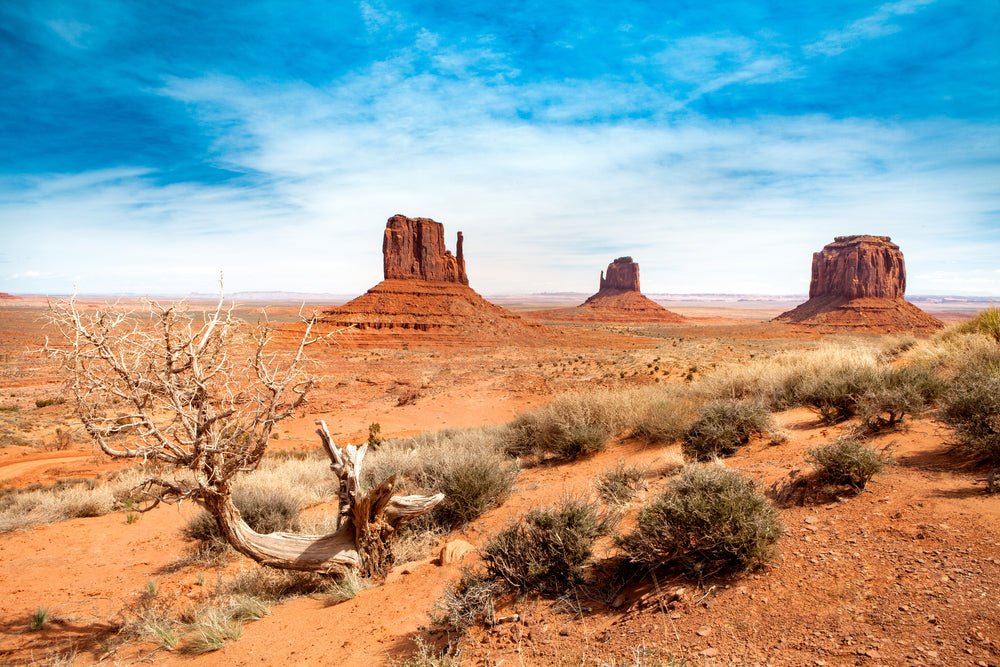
{"points": [[858, 283], [617, 300], [425, 289]]}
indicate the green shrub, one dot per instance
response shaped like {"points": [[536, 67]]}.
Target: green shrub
{"points": [[709, 520], [545, 550], [46, 402], [724, 426], [972, 408], [986, 322], [467, 602], [620, 484], [848, 461]]}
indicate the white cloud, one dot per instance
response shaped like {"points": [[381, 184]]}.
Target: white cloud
{"points": [[878, 24]]}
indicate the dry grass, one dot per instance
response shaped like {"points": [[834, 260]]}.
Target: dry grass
{"points": [[464, 464]]}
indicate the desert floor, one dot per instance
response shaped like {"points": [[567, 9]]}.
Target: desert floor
{"points": [[907, 572]]}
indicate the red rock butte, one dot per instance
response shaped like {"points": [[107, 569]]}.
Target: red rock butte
{"points": [[617, 300], [425, 289], [858, 283]]}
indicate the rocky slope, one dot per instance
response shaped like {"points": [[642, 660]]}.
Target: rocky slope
{"points": [[858, 283]]}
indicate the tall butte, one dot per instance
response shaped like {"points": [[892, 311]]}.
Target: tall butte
{"points": [[858, 283], [619, 296], [425, 289]]}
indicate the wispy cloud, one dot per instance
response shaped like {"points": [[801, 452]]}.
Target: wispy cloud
{"points": [[878, 24]]}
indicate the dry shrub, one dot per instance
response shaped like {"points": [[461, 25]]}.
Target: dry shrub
{"points": [[467, 602], [709, 521], [620, 484], [725, 426], [848, 461], [896, 392], [972, 408], [59, 502], [780, 382], [545, 550], [464, 464], [573, 424], [664, 419]]}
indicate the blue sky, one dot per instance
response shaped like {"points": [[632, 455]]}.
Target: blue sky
{"points": [[145, 146]]}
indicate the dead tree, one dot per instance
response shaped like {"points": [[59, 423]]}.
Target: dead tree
{"points": [[202, 396]]}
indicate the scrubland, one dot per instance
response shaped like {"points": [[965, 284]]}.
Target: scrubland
{"points": [[654, 499]]}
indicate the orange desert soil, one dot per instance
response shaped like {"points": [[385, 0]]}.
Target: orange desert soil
{"points": [[905, 573]]}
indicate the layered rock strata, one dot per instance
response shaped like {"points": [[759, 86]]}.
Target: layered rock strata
{"points": [[617, 300], [413, 249], [858, 283], [425, 289]]}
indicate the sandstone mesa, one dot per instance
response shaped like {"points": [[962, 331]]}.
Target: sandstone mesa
{"points": [[858, 283]]}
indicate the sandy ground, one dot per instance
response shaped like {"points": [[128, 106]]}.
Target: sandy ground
{"points": [[905, 573]]}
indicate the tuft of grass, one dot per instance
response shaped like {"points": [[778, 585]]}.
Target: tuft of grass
{"points": [[209, 631], [46, 402], [427, 655], [710, 520], [154, 625], [39, 619], [724, 426], [619, 485], [346, 587], [246, 608], [545, 550], [848, 461]]}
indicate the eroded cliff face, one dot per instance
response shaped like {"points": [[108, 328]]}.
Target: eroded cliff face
{"points": [[857, 284], [413, 249], [857, 267], [426, 292], [622, 274]]}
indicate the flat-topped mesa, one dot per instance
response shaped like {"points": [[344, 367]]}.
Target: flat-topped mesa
{"points": [[857, 267], [623, 274], [858, 283], [413, 249]]}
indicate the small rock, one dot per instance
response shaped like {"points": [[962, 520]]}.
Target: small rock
{"points": [[564, 632], [454, 551], [703, 631], [710, 652], [508, 619]]}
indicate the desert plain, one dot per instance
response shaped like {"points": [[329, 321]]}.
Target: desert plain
{"points": [[905, 572]]}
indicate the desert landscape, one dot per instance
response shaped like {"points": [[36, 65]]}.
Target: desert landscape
{"points": [[538, 334], [515, 414]]}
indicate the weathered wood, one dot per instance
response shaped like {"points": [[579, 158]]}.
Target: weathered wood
{"points": [[363, 539]]}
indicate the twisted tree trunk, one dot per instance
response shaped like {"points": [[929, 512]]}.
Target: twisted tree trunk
{"points": [[363, 540]]}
